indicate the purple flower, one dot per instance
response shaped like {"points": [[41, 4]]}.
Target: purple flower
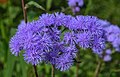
{"points": [[70, 38], [34, 56], [107, 58], [90, 33], [108, 51], [75, 5], [43, 41], [84, 40], [59, 19], [33, 39], [77, 9], [80, 2], [62, 19], [89, 24], [112, 29], [98, 45], [72, 2], [104, 23], [54, 34], [71, 50], [16, 42], [113, 36], [71, 24], [15, 45], [54, 53], [46, 19], [86, 22], [22, 25], [64, 62]]}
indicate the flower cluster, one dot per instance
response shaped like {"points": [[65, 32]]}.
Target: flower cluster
{"points": [[53, 39], [75, 5], [113, 36], [112, 33], [89, 33], [107, 56]]}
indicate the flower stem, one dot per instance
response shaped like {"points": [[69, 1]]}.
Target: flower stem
{"points": [[98, 69], [77, 69], [25, 19], [35, 69], [77, 64], [24, 11], [53, 71]]}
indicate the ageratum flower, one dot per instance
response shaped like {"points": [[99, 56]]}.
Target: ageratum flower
{"points": [[64, 62], [98, 45], [41, 41], [84, 39], [34, 56], [107, 58], [21, 25], [71, 50], [90, 34], [60, 18], [15, 45], [75, 5], [59, 46], [71, 24], [89, 24], [57, 49], [70, 38], [112, 33], [54, 34], [33, 40], [107, 55], [104, 23], [46, 19], [113, 36], [108, 51]]}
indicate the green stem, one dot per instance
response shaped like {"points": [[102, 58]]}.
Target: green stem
{"points": [[35, 69], [77, 65], [25, 19], [77, 69], [98, 69], [24, 11], [53, 71]]}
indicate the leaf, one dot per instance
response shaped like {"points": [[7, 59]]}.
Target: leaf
{"points": [[23, 66], [13, 11], [8, 71], [32, 3], [89, 7], [3, 33], [48, 4]]}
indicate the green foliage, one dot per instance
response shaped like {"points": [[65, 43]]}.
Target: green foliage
{"points": [[10, 16], [48, 4], [34, 4]]}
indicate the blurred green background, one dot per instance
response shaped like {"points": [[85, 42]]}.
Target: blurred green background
{"points": [[10, 16]]}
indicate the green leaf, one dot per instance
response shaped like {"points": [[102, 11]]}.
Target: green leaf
{"points": [[8, 71], [13, 11], [23, 66], [3, 33], [48, 4], [32, 3], [89, 7]]}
